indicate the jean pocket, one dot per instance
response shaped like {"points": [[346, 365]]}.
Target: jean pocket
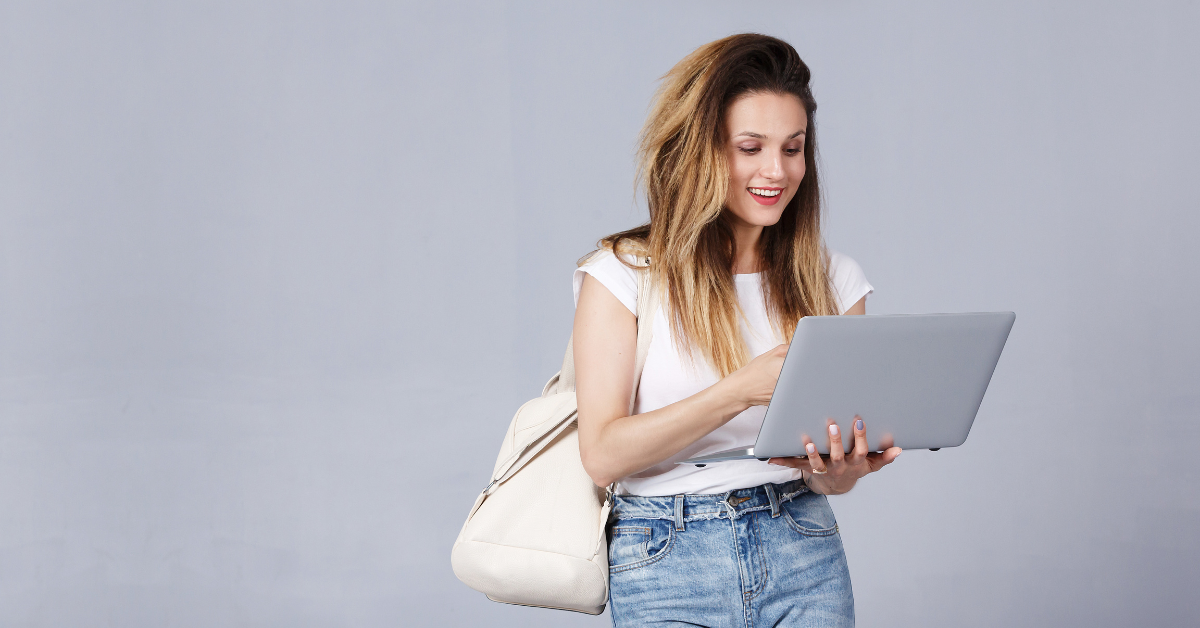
{"points": [[809, 514], [634, 543]]}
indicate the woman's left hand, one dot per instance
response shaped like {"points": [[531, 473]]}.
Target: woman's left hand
{"points": [[841, 471]]}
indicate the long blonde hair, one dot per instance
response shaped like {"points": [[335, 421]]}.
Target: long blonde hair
{"points": [[685, 174]]}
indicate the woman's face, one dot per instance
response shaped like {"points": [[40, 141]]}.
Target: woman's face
{"points": [[765, 148]]}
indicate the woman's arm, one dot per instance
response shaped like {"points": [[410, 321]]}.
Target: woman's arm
{"points": [[859, 308], [614, 444]]}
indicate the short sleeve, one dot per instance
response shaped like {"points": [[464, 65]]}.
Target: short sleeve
{"points": [[620, 279], [849, 282]]}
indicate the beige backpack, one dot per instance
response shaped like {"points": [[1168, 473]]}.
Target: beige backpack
{"points": [[535, 535]]}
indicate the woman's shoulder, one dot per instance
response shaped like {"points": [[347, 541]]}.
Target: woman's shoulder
{"points": [[848, 280], [617, 274], [842, 264]]}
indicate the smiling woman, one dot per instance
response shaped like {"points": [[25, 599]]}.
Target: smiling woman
{"points": [[734, 248], [765, 165]]}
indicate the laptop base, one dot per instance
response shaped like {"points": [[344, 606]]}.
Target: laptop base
{"points": [[741, 453]]}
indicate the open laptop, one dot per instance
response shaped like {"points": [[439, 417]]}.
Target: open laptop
{"points": [[915, 379]]}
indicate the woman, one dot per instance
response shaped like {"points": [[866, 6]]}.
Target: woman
{"points": [[727, 160]]}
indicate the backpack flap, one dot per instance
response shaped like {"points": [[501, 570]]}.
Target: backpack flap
{"points": [[536, 424]]}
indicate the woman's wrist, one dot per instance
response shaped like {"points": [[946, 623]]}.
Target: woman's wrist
{"points": [[814, 484], [821, 486], [728, 397]]}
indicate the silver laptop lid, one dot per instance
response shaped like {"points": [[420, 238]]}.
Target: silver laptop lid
{"points": [[916, 380]]}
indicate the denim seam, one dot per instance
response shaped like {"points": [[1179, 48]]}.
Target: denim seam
{"points": [[747, 511], [720, 508], [669, 518], [789, 496], [694, 516], [818, 532], [762, 583], [719, 496], [737, 550], [647, 561], [773, 498]]}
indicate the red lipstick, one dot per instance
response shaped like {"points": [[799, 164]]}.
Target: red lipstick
{"points": [[765, 200]]}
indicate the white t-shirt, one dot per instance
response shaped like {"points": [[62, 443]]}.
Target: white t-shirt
{"points": [[669, 377]]}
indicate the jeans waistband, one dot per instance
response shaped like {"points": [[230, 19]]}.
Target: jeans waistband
{"points": [[731, 504]]}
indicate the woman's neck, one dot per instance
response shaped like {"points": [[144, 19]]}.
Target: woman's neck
{"points": [[745, 249]]}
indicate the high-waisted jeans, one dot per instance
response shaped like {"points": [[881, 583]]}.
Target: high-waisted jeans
{"points": [[764, 556]]}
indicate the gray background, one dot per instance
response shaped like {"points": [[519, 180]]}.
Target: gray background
{"points": [[259, 261]]}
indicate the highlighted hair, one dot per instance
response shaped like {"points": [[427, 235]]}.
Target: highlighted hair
{"points": [[684, 171]]}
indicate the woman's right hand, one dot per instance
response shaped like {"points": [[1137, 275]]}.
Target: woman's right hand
{"points": [[755, 383]]}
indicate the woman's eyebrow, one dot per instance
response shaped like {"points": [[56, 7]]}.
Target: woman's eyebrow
{"points": [[763, 137]]}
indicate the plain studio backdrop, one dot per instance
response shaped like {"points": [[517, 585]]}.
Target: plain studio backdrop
{"points": [[275, 276]]}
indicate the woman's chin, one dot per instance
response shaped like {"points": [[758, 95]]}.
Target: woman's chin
{"points": [[758, 216]]}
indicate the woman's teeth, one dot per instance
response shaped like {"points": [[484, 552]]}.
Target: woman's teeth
{"points": [[761, 192]]}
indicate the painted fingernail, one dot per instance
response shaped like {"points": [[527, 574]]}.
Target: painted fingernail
{"points": [[810, 448], [858, 424], [833, 430]]}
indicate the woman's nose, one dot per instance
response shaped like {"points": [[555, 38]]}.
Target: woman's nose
{"points": [[773, 169]]}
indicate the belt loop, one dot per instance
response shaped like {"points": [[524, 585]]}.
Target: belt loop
{"points": [[679, 513], [774, 499]]}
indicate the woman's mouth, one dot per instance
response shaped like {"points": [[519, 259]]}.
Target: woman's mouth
{"points": [[766, 196]]}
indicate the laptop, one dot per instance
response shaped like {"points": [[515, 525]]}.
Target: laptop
{"points": [[917, 381]]}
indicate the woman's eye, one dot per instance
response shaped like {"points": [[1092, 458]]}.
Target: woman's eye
{"points": [[793, 151], [749, 150]]}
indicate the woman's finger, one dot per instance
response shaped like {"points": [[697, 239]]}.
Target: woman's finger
{"points": [[879, 461], [795, 462], [815, 463], [860, 441], [837, 452]]}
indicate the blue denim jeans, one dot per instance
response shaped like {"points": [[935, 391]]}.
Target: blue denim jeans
{"points": [[764, 556]]}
